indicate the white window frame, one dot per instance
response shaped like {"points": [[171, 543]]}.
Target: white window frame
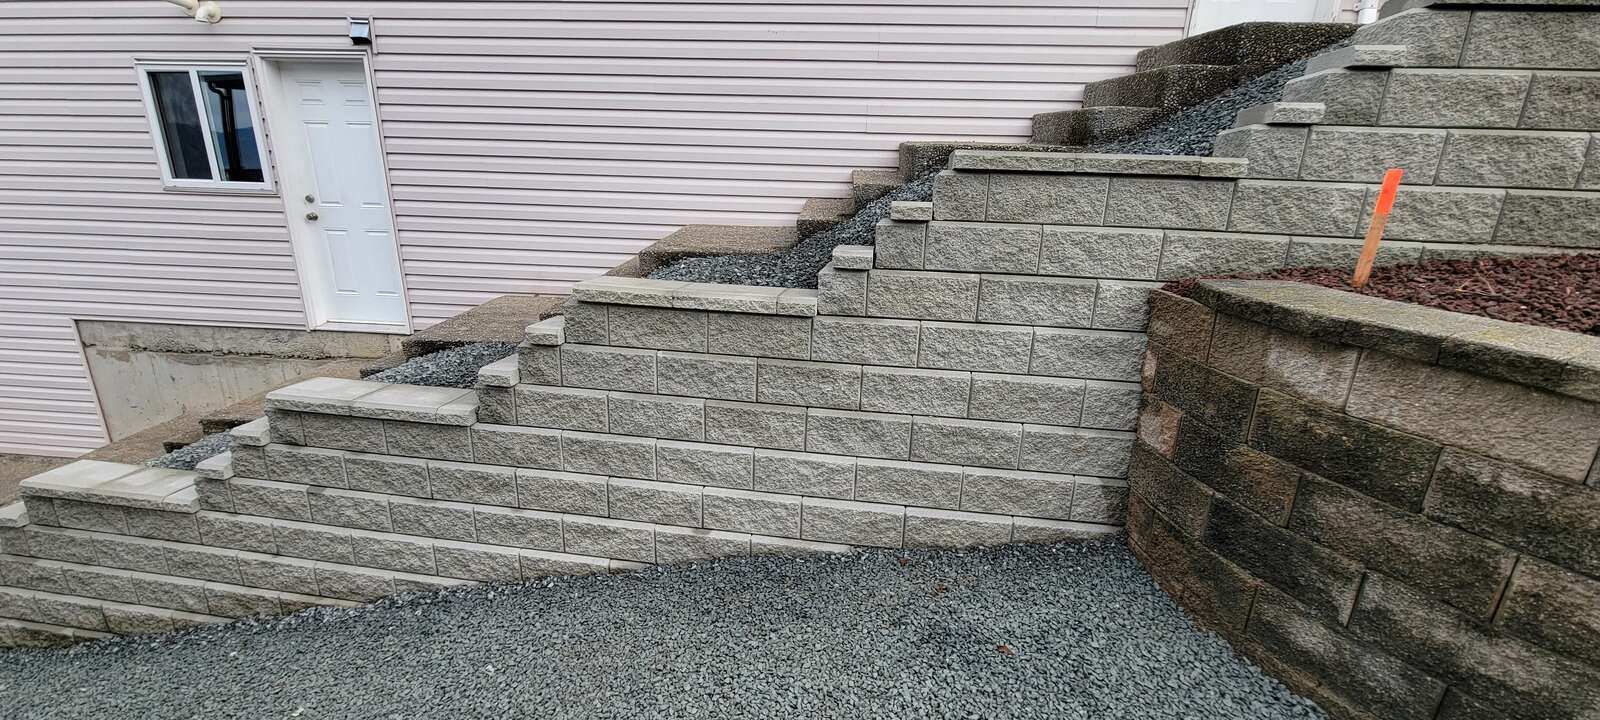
{"points": [[215, 185]]}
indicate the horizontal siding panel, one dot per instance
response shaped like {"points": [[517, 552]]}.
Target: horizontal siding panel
{"points": [[685, 136], [449, 182], [803, 88], [492, 150]]}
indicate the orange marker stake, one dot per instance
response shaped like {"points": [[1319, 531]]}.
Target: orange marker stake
{"points": [[1380, 218]]}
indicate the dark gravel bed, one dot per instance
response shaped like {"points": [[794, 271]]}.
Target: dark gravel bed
{"points": [[1188, 132], [1045, 631], [1557, 291]]}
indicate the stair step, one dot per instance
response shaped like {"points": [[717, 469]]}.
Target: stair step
{"points": [[1167, 88], [920, 157], [1371, 57], [501, 319], [1087, 126], [819, 214], [869, 185], [1254, 46], [706, 240], [1097, 163], [118, 484]]}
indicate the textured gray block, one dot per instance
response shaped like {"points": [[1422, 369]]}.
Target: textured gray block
{"points": [[900, 244], [1454, 98], [519, 528], [1296, 208], [1511, 38], [853, 523], [583, 322], [438, 442], [960, 196], [284, 574], [981, 247], [656, 416], [1280, 113], [1362, 154], [340, 432], [815, 384], [265, 498], [718, 377], [1189, 254], [1432, 37], [476, 562], [841, 292], [655, 502], [772, 336], [1439, 214], [308, 466], [1020, 398], [841, 432], [1100, 252], [1123, 305], [682, 545], [1273, 151], [1102, 453], [798, 473], [608, 368], [561, 408], [1094, 354], [911, 211], [518, 446], [331, 506], [482, 484], [618, 539], [915, 392], [608, 455], [752, 424], [238, 533], [982, 443], [871, 341], [852, 257], [952, 529], [922, 295], [161, 525], [1330, 252], [392, 552], [284, 426], [1169, 203], [752, 512], [1012, 492], [1360, 56], [248, 461], [1349, 97], [1513, 158], [1550, 217], [109, 518], [1060, 302], [1042, 198], [1110, 405], [562, 492], [908, 483], [1100, 501], [1563, 101], [701, 464], [433, 518], [497, 405], [540, 363], [985, 348], [313, 542]]}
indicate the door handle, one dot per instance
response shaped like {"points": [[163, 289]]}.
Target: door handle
{"points": [[311, 216]]}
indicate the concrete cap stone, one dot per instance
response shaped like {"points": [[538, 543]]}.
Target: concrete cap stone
{"points": [[727, 298], [798, 302], [1097, 163], [627, 291], [1281, 113], [117, 484], [216, 467], [385, 401], [14, 515], [852, 257], [549, 331], [500, 373], [751, 299], [321, 395], [1361, 56], [909, 211], [253, 434]]}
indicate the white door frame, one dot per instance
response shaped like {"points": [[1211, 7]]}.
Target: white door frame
{"points": [[273, 99]]}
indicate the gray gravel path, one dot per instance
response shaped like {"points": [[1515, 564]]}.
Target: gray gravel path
{"points": [[1048, 631], [1188, 132]]}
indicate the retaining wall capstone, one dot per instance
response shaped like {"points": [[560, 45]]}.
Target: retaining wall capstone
{"points": [[1392, 508]]}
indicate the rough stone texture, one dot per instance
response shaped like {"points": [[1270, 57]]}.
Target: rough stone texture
{"points": [[962, 346], [1019, 398], [697, 464], [1562, 101], [1273, 151], [656, 416], [1094, 354], [841, 432], [872, 341], [1511, 158], [922, 295], [1057, 302], [563, 408], [752, 424], [516, 446], [786, 382], [855, 523], [982, 247], [1510, 39], [718, 377], [1048, 199], [607, 368], [960, 196], [980, 443], [656, 328], [796, 473], [889, 481], [1431, 214], [561, 492], [944, 528], [1189, 254], [752, 512], [1102, 453], [759, 335], [1360, 154], [1379, 462], [1295, 364], [1454, 98], [1350, 97], [1172, 203], [1521, 508], [1100, 252], [1297, 208], [1549, 217], [607, 455], [915, 392]]}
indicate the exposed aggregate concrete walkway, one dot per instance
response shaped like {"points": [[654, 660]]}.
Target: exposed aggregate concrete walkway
{"points": [[1046, 631]]}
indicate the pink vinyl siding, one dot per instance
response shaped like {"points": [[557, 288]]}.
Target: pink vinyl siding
{"points": [[530, 144]]}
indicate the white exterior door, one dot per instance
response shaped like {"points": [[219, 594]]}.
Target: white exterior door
{"points": [[336, 193], [1213, 14]]}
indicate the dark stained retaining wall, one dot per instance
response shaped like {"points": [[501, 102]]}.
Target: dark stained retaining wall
{"points": [[1391, 508]]}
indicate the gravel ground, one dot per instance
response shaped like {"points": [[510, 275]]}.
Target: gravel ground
{"points": [[1044, 631], [1557, 291], [456, 367], [1187, 132]]}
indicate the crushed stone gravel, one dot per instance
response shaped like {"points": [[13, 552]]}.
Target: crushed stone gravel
{"points": [[1188, 132], [1556, 291], [1075, 630], [455, 367]]}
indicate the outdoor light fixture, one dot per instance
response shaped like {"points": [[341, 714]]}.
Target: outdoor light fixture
{"points": [[360, 31], [206, 11]]}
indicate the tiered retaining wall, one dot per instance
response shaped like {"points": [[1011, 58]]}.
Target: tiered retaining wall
{"points": [[1395, 509]]}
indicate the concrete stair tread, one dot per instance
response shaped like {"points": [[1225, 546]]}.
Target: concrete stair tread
{"points": [[500, 319], [818, 214], [117, 484], [1252, 45], [384, 401], [920, 157], [697, 296], [254, 407], [1087, 126], [705, 240], [1097, 163], [867, 185], [1168, 88]]}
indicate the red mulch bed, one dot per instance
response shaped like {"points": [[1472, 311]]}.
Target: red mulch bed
{"points": [[1558, 291]]}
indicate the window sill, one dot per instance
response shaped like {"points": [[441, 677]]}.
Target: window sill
{"points": [[266, 192]]}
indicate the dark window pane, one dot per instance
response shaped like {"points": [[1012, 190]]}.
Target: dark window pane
{"points": [[233, 131], [180, 125]]}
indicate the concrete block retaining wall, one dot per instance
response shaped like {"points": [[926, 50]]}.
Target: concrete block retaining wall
{"points": [[1395, 509]]}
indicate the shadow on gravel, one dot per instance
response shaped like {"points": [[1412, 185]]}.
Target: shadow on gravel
{"points": [[1074, 630]]}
